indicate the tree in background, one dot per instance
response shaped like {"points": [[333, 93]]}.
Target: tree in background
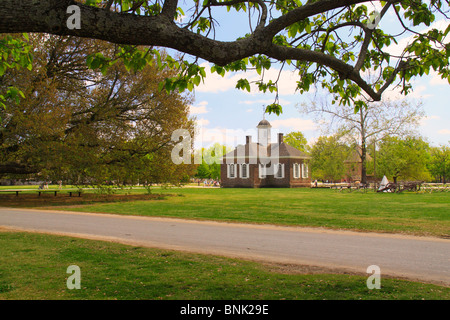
{"points": [[297, 140], [211, 159], [440, 163], [87, 126], [371, 123], [405, 158], [328, 156]]}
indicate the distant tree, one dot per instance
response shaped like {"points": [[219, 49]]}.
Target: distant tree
{"points": [[403, 158], [328, 156], [373, 122], [211, 159], [440, 163], [297, 140]]}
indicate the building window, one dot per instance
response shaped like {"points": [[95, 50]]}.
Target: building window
{"points": [[244, 171], [262, 171], [305, 172], [231, 170], [279, 171], [296, 171]]}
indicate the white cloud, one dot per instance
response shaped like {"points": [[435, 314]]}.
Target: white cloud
{"points": [[264, 102], [199, 109], [425, 120], [294, 124], [417, 92], [206, 137], [214, 83], [444, 131], [436, 79], [202, 122], [397, 49]]}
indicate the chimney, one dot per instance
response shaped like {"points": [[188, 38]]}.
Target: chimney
{"points": [[280, 138], [248, 139]]}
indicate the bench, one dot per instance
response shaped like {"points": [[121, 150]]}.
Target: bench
{"points": [[411, 186], [44, 191], [16, 191], [56, 192], [79, 193]]}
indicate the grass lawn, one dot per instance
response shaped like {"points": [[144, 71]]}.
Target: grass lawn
{"points": [[34, 266], [425, 214]]}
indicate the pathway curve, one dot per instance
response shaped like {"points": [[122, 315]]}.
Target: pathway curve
{"points": [[424, 259]]}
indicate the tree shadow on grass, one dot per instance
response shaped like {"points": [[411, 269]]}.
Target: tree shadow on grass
{"points": [[63, 199]]}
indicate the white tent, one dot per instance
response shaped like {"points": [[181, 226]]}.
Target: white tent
{"points": [[384, 183]]}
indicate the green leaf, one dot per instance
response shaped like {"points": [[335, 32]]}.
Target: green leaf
{"points": [[243, 84], [274, 108]]}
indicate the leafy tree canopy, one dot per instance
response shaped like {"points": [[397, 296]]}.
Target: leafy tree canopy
{"points": [[297, 140], [405, 158], [14, 54], [333, 44], [328, 155], [211, 160], [85, 126], [440, 162]]}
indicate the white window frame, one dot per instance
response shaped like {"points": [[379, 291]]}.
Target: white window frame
{"points": [[305, 172], [241, 171], [262, 171], [277, 171], [229, 170], [296, 171]]}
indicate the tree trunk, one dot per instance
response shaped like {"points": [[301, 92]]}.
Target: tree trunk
{"points": [[363, 163], [363, 147]]}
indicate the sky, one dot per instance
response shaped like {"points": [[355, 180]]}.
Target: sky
{"points": [[226, 115]]}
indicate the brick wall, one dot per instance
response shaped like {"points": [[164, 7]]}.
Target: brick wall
{"points": [[253, 181]]}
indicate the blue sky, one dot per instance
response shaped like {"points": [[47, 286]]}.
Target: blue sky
{"points": [[225, 114]]}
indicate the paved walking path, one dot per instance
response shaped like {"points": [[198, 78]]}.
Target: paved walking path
{"points": [[425, 259]]}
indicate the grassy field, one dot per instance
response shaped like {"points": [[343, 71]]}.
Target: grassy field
{"points": [[34, 267], [424, 214]]}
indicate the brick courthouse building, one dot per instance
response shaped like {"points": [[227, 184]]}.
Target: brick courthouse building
{"points": [[265, 164]]}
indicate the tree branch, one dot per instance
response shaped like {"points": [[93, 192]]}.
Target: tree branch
{"points": [[50, 16], [347, 71], [368, 38], [170, 9], [16, 168]]}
